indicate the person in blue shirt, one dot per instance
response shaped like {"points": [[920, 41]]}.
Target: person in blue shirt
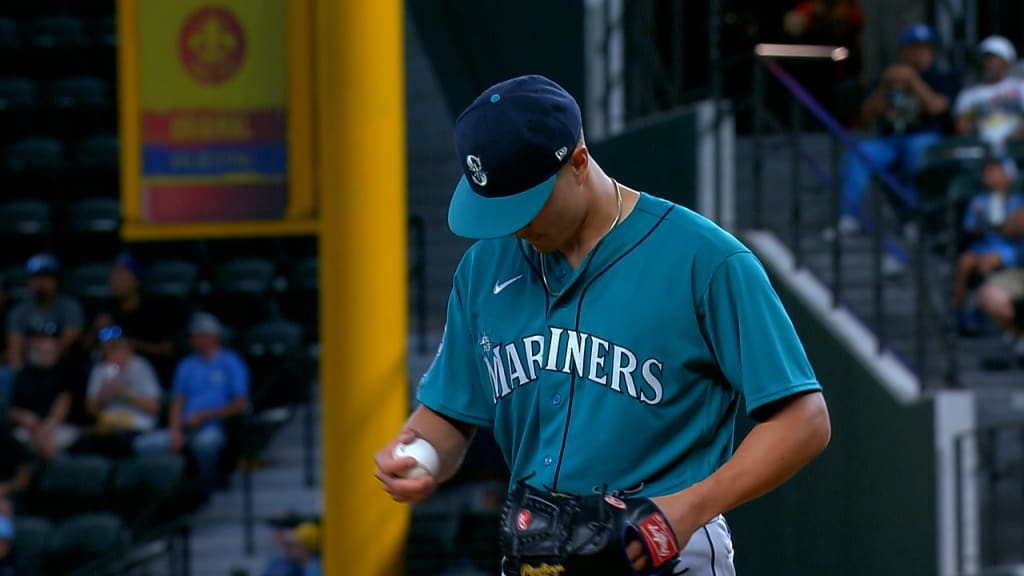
{"points": [[210, 385], [989, 248]]}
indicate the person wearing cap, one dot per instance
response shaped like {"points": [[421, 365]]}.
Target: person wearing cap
{"points": [[47, 306], [993, 109], [910, 106], [148, 330], [210, 385], [989, 248], [592, 319], [123, 393]]}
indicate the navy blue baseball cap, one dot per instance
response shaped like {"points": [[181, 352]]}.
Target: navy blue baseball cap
{"points": [[511, 142], [917, 33]]}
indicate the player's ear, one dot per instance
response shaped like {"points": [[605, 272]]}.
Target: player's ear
{"points": [[580, 163]]}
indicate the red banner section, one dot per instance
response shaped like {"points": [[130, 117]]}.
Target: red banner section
{"points": [[195, 128], [217, 202]]}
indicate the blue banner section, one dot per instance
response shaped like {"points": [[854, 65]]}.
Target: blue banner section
{"points": [[269, 160]]}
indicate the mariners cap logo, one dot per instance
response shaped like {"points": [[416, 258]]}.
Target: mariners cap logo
{"points": [[476, 169]]}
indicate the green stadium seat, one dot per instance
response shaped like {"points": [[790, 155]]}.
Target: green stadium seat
{"points": [[30, 537], [25, 228], [64, 31], [78, 92], [148, 491], [273, 351], [173, 279], [71, 485], [77, 541], [240, 290], [15, 282], [90, 284], [17, 93], [35, 155]]}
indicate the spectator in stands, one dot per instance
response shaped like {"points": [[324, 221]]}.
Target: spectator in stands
{"points": [[303, 548], [41, 399], [993, 110], [1001, 297], [910, 104], [989, 249], [123, 396], [281, 563], [149, 331], [46, 309], [210, 386], [15, 475]]}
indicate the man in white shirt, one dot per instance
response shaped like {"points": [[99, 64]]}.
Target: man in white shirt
{"points": [[993, 110]]}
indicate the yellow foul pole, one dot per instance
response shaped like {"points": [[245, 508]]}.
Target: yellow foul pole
{"points": [[361, 175]]}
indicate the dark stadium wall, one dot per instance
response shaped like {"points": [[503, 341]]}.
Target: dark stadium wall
{"points": [[658, 157], [472, 45], [867, 505]]}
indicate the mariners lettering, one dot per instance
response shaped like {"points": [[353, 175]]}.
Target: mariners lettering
{"points": [[513, 365]]}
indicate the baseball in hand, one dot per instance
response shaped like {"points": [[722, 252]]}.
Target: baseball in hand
{"points": [[424, 454]]}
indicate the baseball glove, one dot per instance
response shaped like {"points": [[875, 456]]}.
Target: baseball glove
{"points": [[549, 534]]}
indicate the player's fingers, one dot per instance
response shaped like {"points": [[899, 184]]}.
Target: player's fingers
{"points": [[395, 466], [635, 553], [406, 436]]}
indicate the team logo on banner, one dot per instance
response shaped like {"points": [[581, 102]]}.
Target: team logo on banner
{"points": [[212, 45]]}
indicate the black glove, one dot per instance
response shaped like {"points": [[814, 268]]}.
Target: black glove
{"points": [[549, 534]]}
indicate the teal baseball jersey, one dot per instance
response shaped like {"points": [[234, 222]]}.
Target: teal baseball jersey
{"points": [[629, 377]]}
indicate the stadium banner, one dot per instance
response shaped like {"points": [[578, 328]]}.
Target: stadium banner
{"points": [[216, 118]]}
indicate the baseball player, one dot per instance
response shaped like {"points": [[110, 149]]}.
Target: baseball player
{"points": [[608, 338]]}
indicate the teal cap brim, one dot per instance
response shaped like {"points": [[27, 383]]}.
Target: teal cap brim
{"points": [[471, 215]]}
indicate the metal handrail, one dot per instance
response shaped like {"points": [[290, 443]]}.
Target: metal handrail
{"points": [[882, 242], [992, 474]]}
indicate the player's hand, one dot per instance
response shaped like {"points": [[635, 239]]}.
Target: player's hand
{"points": [[389, 470]]}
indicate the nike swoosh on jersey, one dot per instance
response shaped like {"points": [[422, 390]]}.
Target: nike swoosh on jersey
{"points": [[499, 286]]}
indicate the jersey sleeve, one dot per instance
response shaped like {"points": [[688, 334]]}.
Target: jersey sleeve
{"points": [[751, 335], [452, 385]]}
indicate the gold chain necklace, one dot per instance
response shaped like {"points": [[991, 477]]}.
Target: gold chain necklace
{"points": [[615, 222]]}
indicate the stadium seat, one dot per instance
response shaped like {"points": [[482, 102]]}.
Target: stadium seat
{"points": [[15, 283], [17, 96], [43, 155], [300, 301], [95, 216], [64, 31], [78, 92], [240, 290], [25, 228], [171, 284], [79, 540], [273, 351], [92, 231], [90, 283], [9, 37], [77, 107], [97, 160], [175, 279], [148, 490], [71, 485], [25, 218], [30, 536]]}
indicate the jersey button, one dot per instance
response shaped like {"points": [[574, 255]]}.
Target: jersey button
{"points": [[548, 460], [556, 399]]}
